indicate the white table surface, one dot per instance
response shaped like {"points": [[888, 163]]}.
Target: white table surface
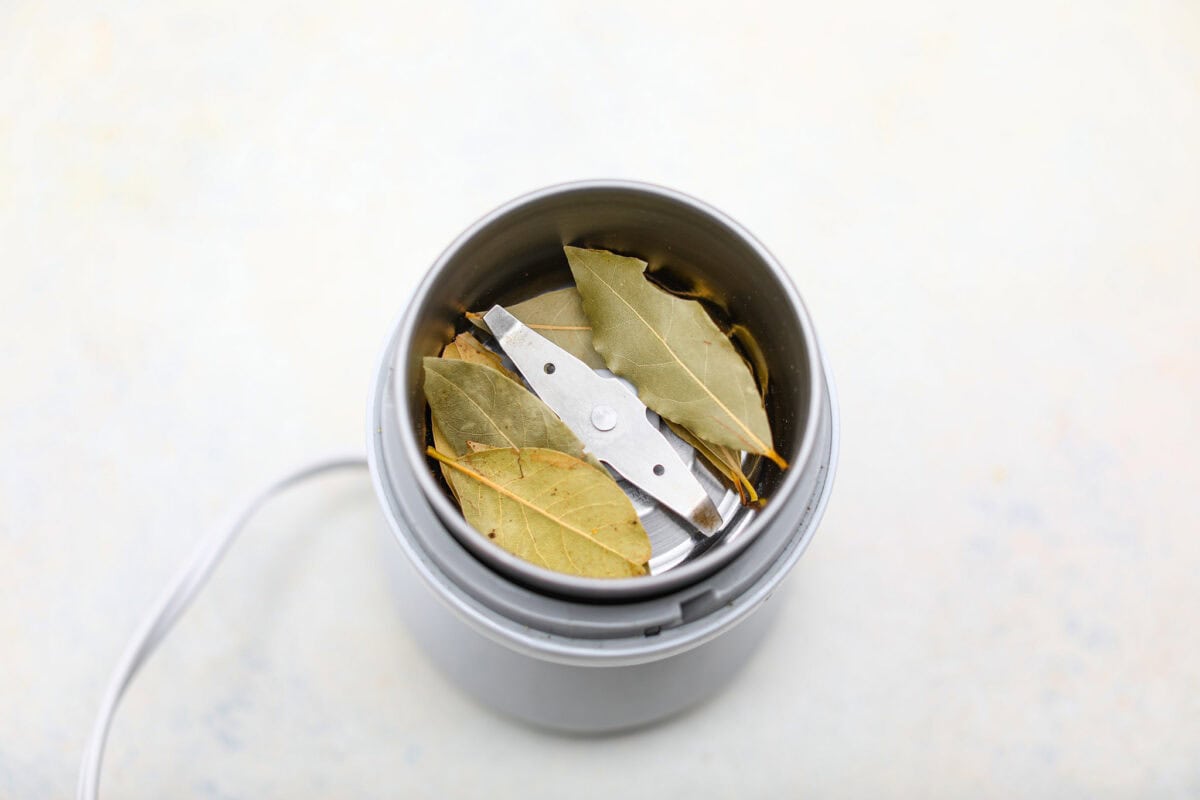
{"points": [[211, 214]]}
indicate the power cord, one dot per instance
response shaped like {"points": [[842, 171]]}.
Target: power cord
{"points": [[173, 603]]}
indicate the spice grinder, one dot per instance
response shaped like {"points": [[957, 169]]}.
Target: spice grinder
{"points": [[587, 654]]}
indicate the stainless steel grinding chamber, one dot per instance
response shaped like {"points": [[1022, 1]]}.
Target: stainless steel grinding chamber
{"points": [[592, 655]]}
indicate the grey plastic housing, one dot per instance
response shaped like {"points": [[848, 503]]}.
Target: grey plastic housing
{"points": [[515, 252]]}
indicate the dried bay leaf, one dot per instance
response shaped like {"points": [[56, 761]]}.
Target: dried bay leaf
{"points": [[442, 445], [472, 402], [725, 460], [550, 509], [558, 316], [758, 362], [439, 439], [707, 297], [683, 366], [466, 347], [688, 288]]}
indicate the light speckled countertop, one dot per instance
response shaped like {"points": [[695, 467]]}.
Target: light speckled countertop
{"points": [[210, 215]]}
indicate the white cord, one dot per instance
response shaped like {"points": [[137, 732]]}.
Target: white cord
{"points": [[172, 604]]}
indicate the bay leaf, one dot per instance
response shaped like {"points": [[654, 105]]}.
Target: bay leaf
{"points": [[466, 347], [473, 402], [725, 460], [463, 347], [552, 510], [439, 439], [758, 362], [440, 442], [687, 288], [708, 298], [558, 316], [442, 445], [683, 366]]}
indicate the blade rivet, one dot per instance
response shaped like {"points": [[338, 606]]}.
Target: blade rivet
{"points": [[604, 418]]}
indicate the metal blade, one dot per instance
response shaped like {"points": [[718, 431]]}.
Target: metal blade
{"points": [[608, 418]]}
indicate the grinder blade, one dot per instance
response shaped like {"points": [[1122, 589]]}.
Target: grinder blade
{"points": [[608, 418]]}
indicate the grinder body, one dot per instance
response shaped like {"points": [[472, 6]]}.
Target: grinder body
{"points": [[579, 654]]}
